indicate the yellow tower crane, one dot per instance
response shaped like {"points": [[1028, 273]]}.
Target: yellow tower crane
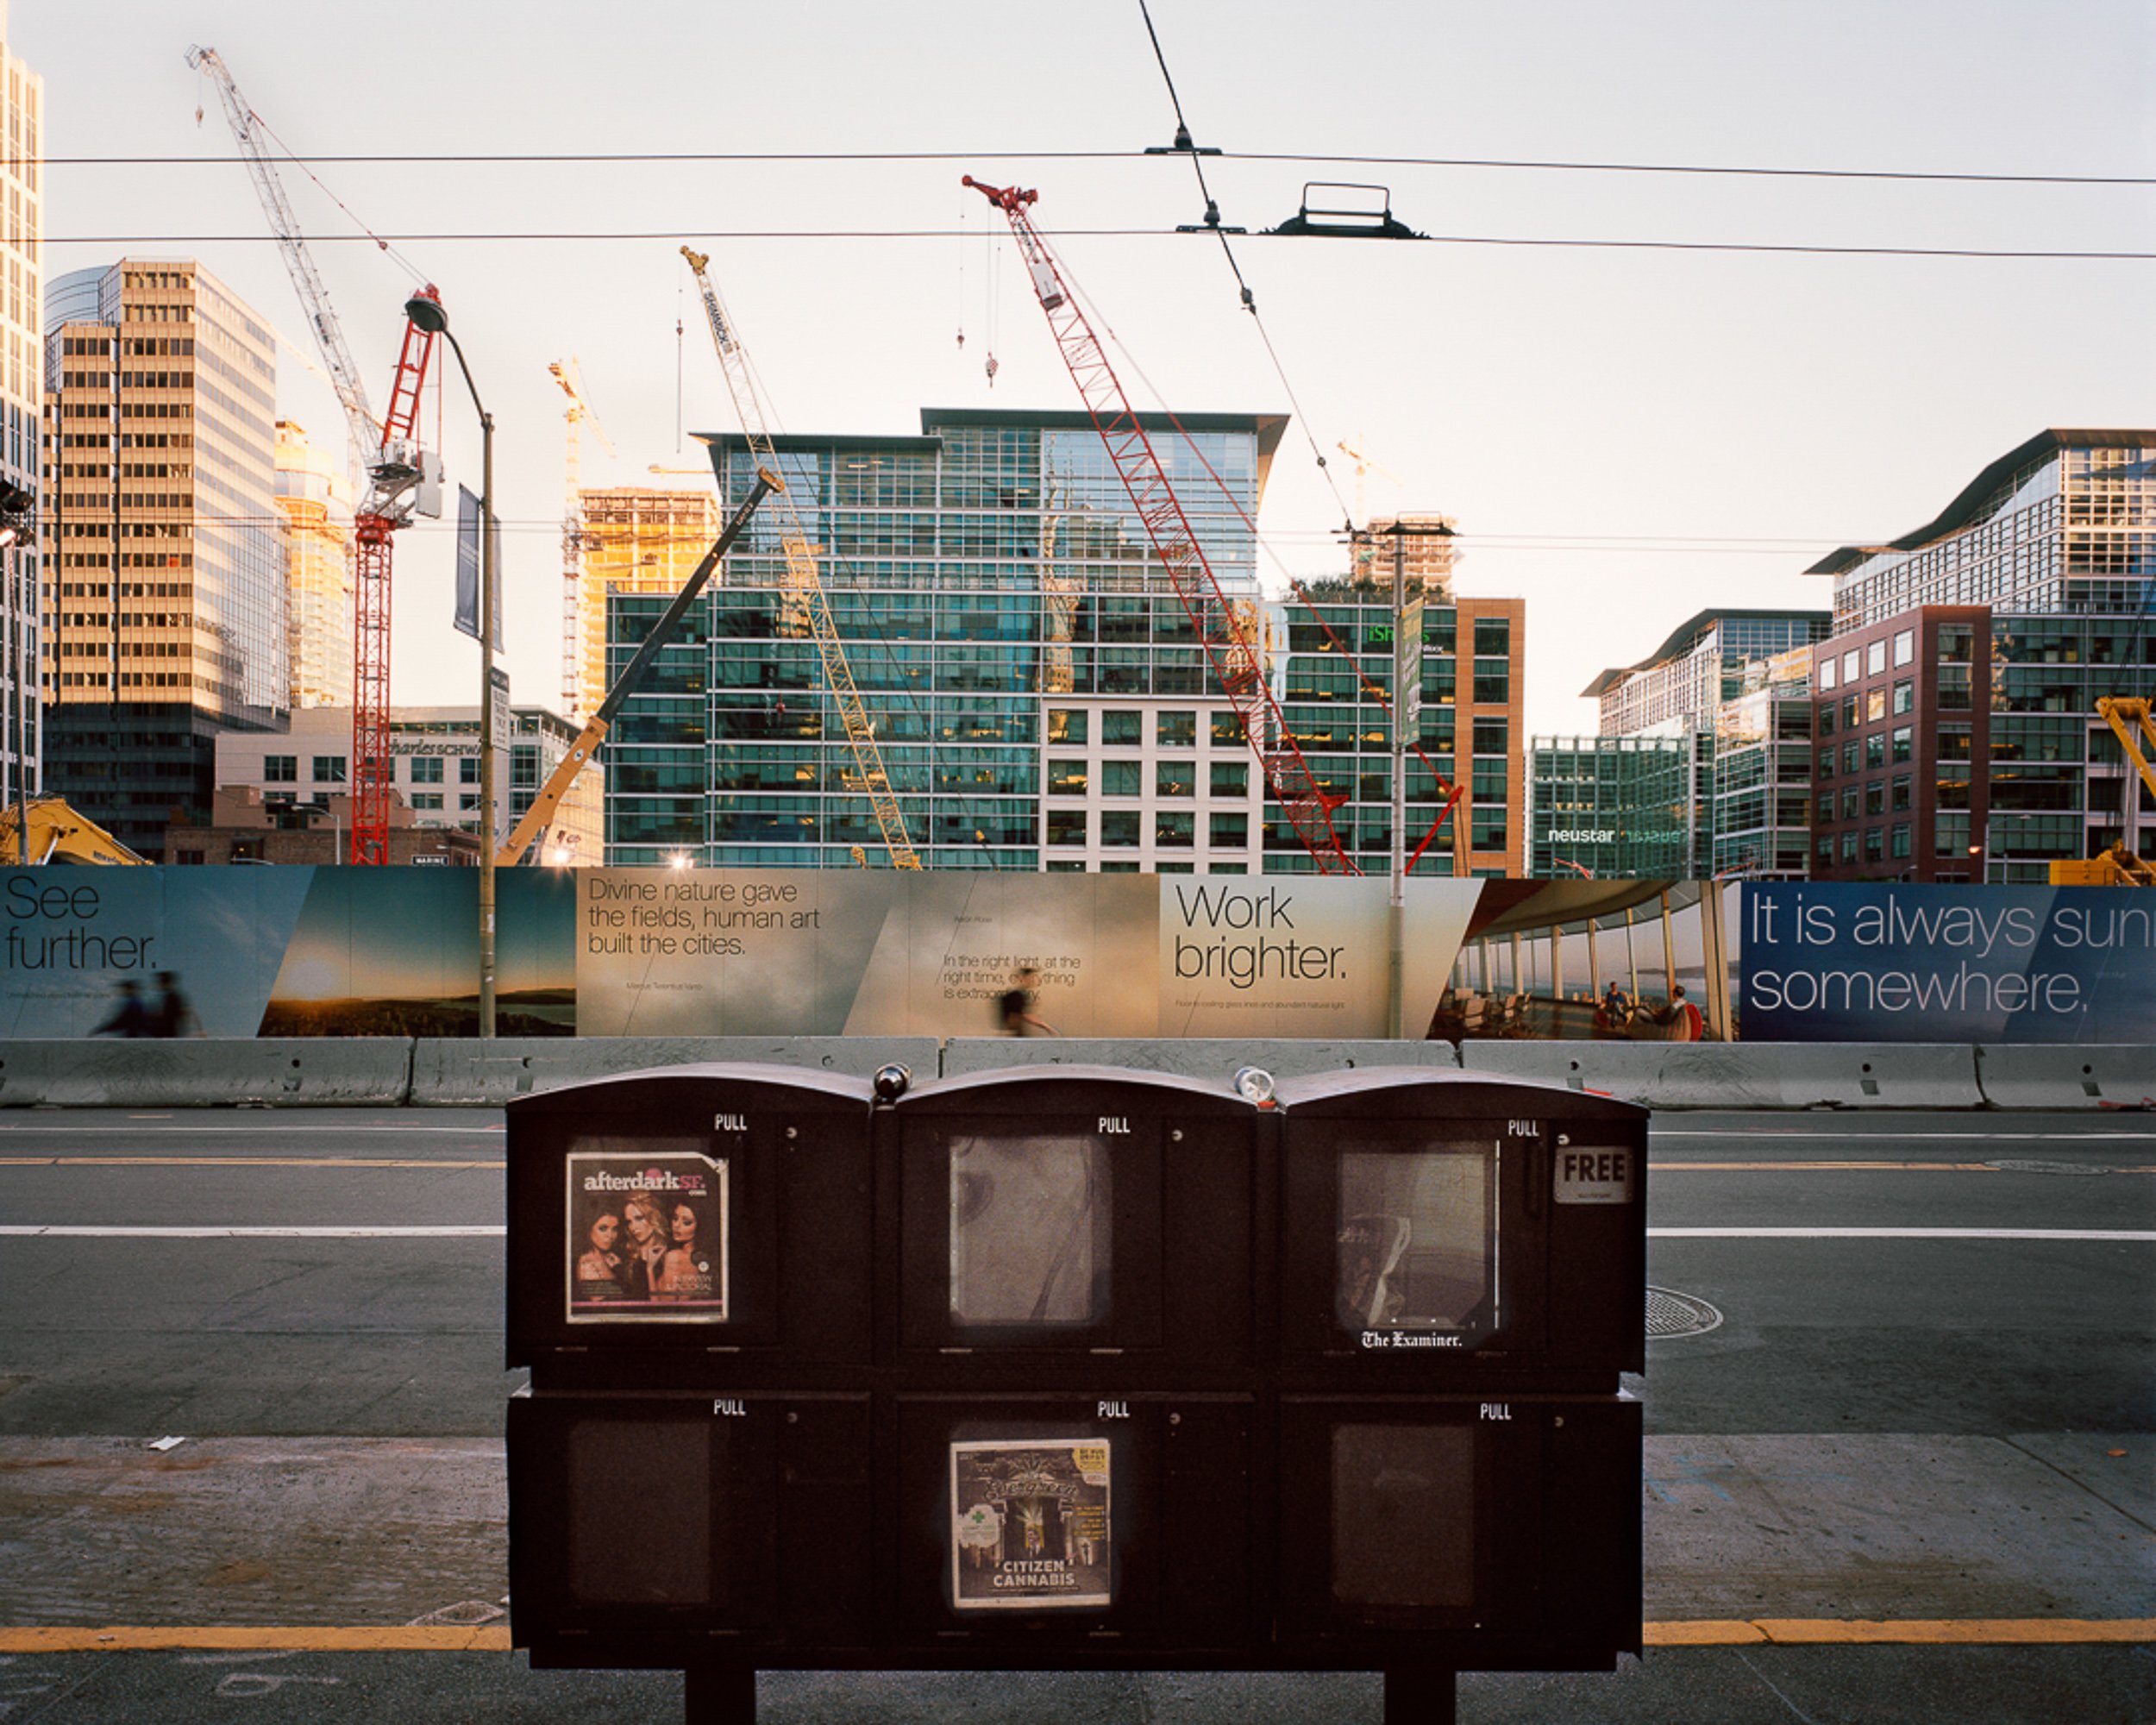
{"points": [[803, 585], [578, 415]]}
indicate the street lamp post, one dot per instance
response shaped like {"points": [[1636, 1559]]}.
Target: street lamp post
{"points": [[1406, 710], [17, 529], [428, 314]]}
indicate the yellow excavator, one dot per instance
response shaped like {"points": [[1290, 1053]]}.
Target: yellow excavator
{"points": [[2117, 865], [60, 833]]}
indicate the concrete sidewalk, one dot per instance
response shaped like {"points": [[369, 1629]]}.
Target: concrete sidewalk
{"points": [[1746, 1538]]}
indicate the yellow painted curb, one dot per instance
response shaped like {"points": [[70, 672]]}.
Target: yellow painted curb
{"points": [[1959, 1631], [438, 1638], [1704, 1633]]}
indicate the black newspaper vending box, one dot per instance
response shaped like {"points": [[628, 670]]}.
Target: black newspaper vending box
{"points": [[690, 1262], [1074, 1367], [1498, 1531], [1463, 1280]]}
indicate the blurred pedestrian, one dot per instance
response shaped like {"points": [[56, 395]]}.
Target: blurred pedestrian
{"points": [[172, 1013], [1015, 1006], [128, 1016]]}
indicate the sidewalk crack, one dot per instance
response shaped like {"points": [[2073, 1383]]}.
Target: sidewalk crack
{"points": [[1795, 1712], [2083, 1484]]}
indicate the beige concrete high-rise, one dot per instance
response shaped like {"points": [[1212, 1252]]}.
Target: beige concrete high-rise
{"points": [[317, 504], [165, 592], [22, 379], [637, 539]]}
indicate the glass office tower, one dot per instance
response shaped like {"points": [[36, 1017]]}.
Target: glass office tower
{"points": [[1036, 688], [970, 571]]}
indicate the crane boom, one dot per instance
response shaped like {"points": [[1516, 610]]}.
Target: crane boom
{"points": [[1229, 642], [805, 587], [2128, 717], [540, 815], [344, 375], [396, 470]]}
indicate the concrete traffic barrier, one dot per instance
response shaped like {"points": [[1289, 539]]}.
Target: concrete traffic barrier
{"points": [[467, 1073], [2043, 1075], [1723, 1074], [1193, 1056], [207, 1072]]}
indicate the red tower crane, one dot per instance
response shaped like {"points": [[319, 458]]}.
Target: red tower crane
{"points": [[1230, 641], [397, 473]]}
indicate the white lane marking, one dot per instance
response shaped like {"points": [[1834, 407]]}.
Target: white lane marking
{"points": [[2141, 1236], [282, 1126], [1858, 1132], [453, 1231]]}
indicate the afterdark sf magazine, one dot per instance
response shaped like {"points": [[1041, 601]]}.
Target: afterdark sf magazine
{"points": [[647, 1230], [1029, 1524]]}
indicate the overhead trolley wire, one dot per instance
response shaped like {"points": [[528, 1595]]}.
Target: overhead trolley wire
{"points": [[1184, 146], [600, 237], [603, 158]]}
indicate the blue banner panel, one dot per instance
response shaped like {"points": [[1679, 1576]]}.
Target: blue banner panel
{"points": [[467, 582], [1886, 963], [78, 945]]}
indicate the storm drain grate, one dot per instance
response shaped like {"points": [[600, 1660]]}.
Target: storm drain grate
{"points": [[1678, 1314]]}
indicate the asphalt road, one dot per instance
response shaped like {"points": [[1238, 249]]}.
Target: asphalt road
{"points": [[1929, 1397]]}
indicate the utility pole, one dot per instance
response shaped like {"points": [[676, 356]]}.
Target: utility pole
{"points": [[1396, 905]]}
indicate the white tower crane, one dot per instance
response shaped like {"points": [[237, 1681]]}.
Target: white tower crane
{"points": [[363, 431]]}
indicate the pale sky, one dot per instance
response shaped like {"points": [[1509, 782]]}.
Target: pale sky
{"points": [[1626, 436]]}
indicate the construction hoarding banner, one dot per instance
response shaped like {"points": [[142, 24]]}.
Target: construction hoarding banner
{"points": [[1861, 962], [394, 952]]}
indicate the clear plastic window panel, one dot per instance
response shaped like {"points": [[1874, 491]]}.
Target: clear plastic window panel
{"points": [[1029, 1220], [1403, 1517], [1417, 1245]]}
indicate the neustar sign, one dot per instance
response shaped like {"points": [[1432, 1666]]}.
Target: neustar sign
{"points": [[1921, 962]]}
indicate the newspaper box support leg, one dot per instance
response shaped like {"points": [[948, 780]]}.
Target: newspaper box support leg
{"points": [[719, 1695], [1421, 1697]]}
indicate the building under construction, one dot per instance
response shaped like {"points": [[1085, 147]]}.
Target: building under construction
{"points": [[317, 504], [636, 539]]}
